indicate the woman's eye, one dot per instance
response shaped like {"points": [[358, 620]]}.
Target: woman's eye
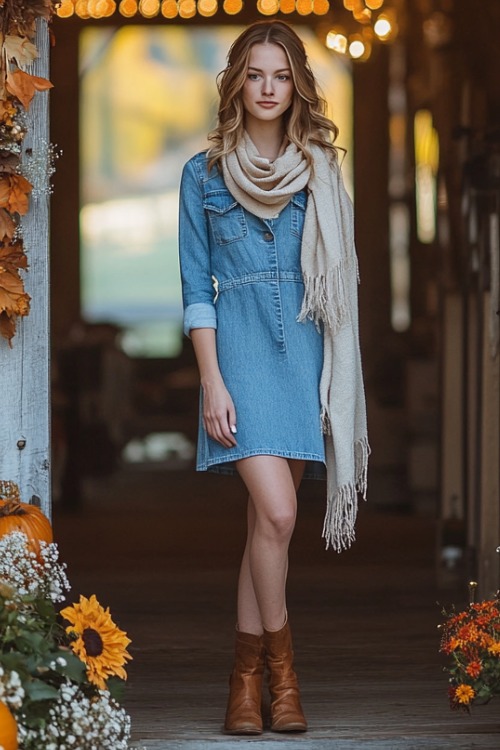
{"points": [[253, 76], [283, 77]]}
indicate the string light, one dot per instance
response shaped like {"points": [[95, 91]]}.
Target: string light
{"points": [[383, 27], [232, 7], [363, 15], [66, 9], [92, 8], [267, 7], [187, 8], [321, 7], [207, 8], [81, 9], [356, 48], [149, 8], [109, 7], [169, 8], [128, 8], [304, 7], [336, 41]]}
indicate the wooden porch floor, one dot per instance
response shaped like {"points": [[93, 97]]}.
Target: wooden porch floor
{"points": [[162, 549]]}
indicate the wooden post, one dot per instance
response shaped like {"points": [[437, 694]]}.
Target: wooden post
{"points": [[24, 369]]}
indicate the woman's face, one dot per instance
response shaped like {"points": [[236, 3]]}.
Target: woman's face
{"points": [[268, 89]]}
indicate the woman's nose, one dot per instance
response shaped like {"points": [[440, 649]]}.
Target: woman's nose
{"points": [[268, 86]]}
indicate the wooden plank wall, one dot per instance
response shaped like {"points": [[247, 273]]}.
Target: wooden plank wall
{"points": [[24, 369]]}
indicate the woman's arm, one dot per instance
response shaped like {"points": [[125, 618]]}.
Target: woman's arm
{"points": [[200, 318], [219, 416]]}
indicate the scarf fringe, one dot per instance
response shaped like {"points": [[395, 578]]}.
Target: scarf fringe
{"points": [[325, 299], [342, 505]]}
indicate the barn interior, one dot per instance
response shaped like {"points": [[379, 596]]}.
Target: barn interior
{"points": [[414, 86]]}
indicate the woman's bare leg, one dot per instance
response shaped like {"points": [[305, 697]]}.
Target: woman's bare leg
{"points": [[272, 483]]}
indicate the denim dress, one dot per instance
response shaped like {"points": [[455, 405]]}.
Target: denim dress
{"points": [[241, 275]]}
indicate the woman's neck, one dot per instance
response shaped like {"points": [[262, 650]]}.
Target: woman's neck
{"points": [[266, 137]]}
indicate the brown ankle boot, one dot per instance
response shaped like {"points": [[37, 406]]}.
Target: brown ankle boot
{"points": [[286, 711], [243, 715]]}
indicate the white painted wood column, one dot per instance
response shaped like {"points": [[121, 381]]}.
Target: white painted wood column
{"points": [[24, 369]]}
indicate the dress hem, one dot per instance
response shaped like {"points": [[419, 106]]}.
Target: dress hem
{"points": [[225, 466]]}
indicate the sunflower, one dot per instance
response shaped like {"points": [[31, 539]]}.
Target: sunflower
{"points": [[98, 642]]}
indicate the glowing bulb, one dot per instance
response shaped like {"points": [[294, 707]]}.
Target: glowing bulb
{"points": [[92, 8], [187, 8], [287, 6], [382, 27], [128, 8], [81, 9], [304, 7], [106, 8], [374, 4], [149, 8], [207, 8], [66, 9], [267, 7], [321, 7], [169, 8], [356, 49], [336, 42], [232, 7], [363, 15]]}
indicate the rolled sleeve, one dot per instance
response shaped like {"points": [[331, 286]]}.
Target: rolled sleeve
{"points": [[199, 315], [194, 254]]}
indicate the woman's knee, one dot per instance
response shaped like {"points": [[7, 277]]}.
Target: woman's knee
{"points": [[277, 522]]}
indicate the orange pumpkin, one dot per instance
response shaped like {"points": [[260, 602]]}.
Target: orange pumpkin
{"points": [[8, 729], [18, 516]]}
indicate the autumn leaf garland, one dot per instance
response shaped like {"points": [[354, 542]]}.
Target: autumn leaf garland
{"points": [[17, 88]]}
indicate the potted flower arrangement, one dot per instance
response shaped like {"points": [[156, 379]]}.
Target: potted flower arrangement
{"points": [[471, 640], [61, 672]]}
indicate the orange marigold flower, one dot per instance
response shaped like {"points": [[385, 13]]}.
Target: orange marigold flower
{"points": [[494, 649], [464, 694], [484, 620], [457, 618], [453, 644], [474, 669], [468, 633]]}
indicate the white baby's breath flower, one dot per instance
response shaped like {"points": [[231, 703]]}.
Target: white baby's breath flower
{"points": [[28, 573], [11, 690], [77, 722]]}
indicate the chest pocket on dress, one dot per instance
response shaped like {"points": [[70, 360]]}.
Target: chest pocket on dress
{"points": [[298, 212], [226, 216]]}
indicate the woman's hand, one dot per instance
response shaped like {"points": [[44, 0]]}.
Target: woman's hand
{"points": [[219, 415]]}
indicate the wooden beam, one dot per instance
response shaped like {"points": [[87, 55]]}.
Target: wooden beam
{"points": [[24, 369]]}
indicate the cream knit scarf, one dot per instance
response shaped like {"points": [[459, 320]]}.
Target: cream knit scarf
{"points": [[330, 272]]}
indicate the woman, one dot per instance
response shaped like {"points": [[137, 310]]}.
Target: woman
{"points": [[269, 276]]}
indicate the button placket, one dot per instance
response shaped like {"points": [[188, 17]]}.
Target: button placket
{"points": [[275, 286]]}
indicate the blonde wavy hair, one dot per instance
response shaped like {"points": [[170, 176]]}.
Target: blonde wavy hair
{"points": [[306, 122]]}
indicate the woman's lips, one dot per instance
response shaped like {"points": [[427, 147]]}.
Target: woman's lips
{"points": [[267, 105]]}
